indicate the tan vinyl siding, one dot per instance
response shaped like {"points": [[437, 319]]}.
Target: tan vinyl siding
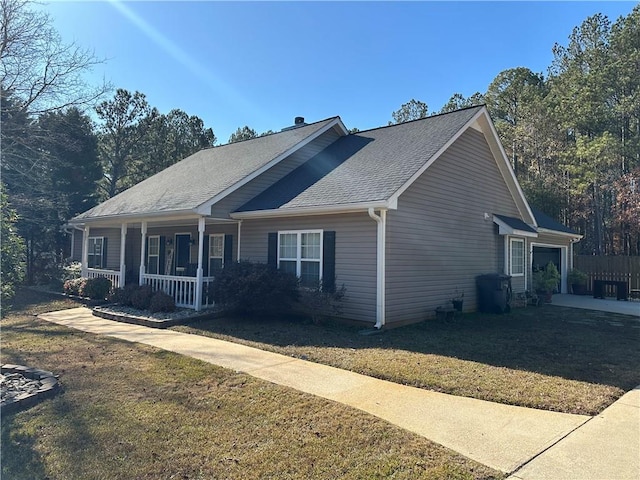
{"points": [[76, 254], [438, 239], [355, 254], [271, 176]]}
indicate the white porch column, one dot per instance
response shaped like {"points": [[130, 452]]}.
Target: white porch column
{"points": [[85, 252], [123, 242], [143, 253], [199, 272]]}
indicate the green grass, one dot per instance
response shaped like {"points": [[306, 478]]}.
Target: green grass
{"points": [[132, 411], [548, 357]]}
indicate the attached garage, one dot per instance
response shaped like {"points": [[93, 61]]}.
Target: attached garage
{"points": [[541, 255]]}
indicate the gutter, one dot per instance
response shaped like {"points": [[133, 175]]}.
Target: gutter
{"points": [[315, 210], [381, 220]]}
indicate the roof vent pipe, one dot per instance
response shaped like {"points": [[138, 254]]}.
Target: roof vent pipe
{"points": [[298, 121]]}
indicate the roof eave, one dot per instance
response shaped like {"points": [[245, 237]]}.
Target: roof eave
{"points": [[314, 210], [505, 229], [123, 218], [576, 236]]}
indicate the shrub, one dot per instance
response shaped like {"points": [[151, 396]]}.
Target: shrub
{"points": [[162, 302], [71, 271], [141, 297], [122, 296], [317, 302], [97, 288], [577, 277], [75, 286], [249, 287], [546, 280]]}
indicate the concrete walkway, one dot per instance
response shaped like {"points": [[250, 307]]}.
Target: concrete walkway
{"points": [[503, 437], [587, 302]]}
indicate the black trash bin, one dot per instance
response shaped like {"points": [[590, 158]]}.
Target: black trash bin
{"points": [[494, 293]]}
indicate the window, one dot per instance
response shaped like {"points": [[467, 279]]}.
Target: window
{"points": [[216, 253], [517, 257], [300, 253], [95, 252], [153, 255]]}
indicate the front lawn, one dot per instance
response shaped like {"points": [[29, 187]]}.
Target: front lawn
{"points": [[132, 411], [548, 357]]}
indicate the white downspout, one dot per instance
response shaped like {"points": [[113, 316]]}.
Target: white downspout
{"points": [[381, 248], [85, 251], [239, 234]]}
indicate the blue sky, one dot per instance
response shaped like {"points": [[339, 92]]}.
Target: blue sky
{"points": [[263, 63]]}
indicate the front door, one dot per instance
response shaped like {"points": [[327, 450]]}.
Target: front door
{"points": [[183, 253]]}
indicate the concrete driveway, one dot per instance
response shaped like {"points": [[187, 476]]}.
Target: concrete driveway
{"points": [[587, 302]]}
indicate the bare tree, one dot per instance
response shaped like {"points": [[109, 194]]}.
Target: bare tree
{"points": [[39, 70]]}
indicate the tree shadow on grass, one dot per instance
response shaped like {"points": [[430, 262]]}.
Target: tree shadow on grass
{"points": [[20, 460], [556, 341]]}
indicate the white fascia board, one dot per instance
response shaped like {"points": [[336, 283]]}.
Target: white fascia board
{"points": [[205, 208], [505, 229], [504, 165], [136, 217], [302, 211], [577, 236]]}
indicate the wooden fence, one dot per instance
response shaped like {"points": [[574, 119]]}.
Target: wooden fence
{"points": [[618, 268]]}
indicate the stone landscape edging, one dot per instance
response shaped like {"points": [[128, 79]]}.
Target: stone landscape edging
{"points": [[151, 322], [49, 386]]}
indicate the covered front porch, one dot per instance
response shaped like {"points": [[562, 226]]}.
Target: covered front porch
{"points": [[179, 256]]}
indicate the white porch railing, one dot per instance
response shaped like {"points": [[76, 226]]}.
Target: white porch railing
{"points": [[182, 289], [112, 275], [207, 300]]}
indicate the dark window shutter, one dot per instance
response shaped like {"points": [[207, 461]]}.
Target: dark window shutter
{"points": [[104, 252], [272, 253], [329, 261], [205, 256], [162, 252], [146, 252], [228, 250]]}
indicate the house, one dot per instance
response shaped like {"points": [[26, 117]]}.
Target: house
{"points": [[404, 216]]}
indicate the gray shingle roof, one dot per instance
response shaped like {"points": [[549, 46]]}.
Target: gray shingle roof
{"points": [[545, 221], [201, 176], [363, 167], [516, 223]]}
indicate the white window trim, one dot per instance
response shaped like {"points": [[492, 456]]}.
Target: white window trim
{"points": [[149, 254], [209, 256], [92, 254], [299, 258], [511, 242]]}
